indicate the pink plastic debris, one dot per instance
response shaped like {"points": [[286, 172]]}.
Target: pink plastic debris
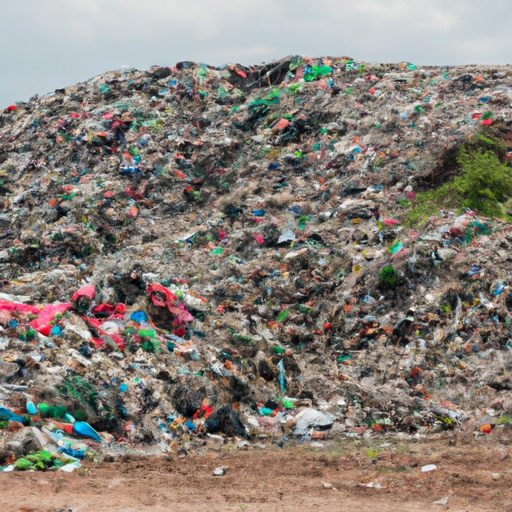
{"points": [[87, 291]]}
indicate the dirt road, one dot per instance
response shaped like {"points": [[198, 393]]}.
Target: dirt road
{"points": [[475, 477]]}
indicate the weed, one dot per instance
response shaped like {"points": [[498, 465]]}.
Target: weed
{"points": [[4, 421], [331, 456], [373, 453]]}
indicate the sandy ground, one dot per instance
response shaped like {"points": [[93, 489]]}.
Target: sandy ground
{"points": [[288, 479]]}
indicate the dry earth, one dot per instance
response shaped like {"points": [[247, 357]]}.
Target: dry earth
{"points": [[287, 479]]}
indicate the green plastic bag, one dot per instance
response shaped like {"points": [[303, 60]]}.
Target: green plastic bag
{"points": [[317, 72], [23, 464], [282, 316], [57, 412]]}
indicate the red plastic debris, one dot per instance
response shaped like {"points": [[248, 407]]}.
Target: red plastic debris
{"points": [[87, 291]]}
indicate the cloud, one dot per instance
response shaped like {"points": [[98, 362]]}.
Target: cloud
{"points": [[53, 43]]}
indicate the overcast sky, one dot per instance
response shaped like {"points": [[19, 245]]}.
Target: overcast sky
{"points": [[48, 44]]}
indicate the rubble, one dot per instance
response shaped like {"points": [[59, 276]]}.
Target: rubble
{"points": [[199, 250]]}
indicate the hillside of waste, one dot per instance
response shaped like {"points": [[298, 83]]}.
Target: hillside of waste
{"points": [[309, 248]]}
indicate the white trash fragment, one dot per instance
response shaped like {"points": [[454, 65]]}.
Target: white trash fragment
{"points": [[311, 418], [287, 236], [69, 468], [374, 485]]}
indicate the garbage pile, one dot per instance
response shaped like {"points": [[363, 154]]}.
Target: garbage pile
{"points": [[194, 251]]}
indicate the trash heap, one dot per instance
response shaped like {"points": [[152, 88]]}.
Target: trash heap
{"points": [[194, 251]]}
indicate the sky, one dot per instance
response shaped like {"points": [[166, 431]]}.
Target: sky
{"points": [[50, 44]]}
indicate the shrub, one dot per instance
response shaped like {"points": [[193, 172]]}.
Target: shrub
{"points": [[484, 185], [388, 277]]}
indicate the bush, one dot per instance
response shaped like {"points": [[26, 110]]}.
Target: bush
{"points": [[388, 277], [484, 185]]}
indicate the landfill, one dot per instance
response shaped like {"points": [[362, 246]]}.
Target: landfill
{"points": [[195, 253]]}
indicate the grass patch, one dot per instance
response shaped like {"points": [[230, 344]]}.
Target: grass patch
{"points": [[333, 454], [373, 453]]}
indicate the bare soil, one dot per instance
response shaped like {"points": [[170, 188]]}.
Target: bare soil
{"points": [[288, 479]]}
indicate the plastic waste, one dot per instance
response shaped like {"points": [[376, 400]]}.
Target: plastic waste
{"points": [[81, 428], [31, 408]]}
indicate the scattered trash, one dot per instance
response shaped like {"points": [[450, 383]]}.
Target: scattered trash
{"points": [[311, 418], [428, 467], [220, 471], [248, 252], [486, 429], [375, 485]]}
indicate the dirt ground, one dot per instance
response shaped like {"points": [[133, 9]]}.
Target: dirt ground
{"points": [[476, 476]]}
